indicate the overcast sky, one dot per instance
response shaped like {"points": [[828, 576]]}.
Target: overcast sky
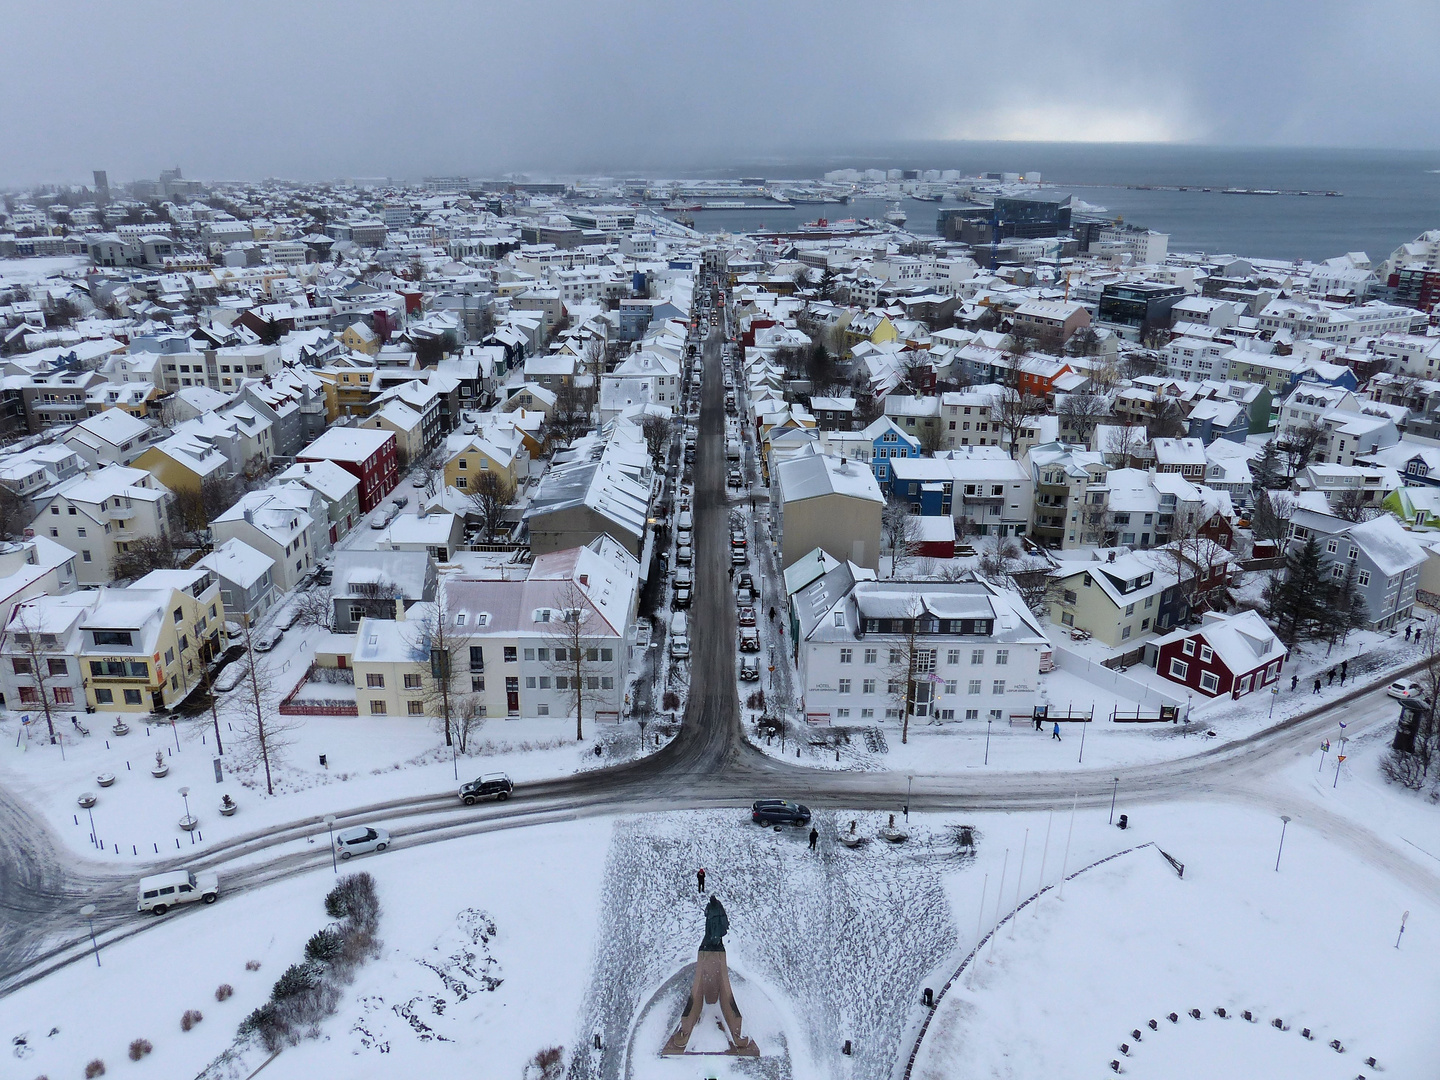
{"points": [[404, 89]]}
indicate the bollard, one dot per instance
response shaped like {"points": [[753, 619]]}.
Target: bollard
{"points": [[1305, 1033], [134, 850], [177, 843], [929, 998], [157, 849], [323, 765], [1125, 1049], [77, 818], [1194, 1014], [1135, 1034], [1174, 1019], [127, 766], [1246, 1015], [1115, 1065], [1124, 821], [597, 1041], [1221, 1013], [846, 1048]]}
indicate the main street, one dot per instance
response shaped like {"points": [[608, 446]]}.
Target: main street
{"points": [[708, 764]]}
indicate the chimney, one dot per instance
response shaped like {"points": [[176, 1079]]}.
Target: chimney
{"points": [[250, 515], [307, 466], [1111, 557]]}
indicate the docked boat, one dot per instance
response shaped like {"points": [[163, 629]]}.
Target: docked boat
{"points": [[895, 216]]}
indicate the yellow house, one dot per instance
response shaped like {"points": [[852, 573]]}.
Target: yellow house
{"points": [[182, 464], [348, 389], [361, 338], [392, 667], [872, 326], [474, 455], [144, 648]]}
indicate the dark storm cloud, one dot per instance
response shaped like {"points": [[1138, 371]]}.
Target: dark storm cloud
{"points": [[404, 89]]}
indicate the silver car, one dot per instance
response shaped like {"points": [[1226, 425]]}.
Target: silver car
{"points": [[360, 839]]}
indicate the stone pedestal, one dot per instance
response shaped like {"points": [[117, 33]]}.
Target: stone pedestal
{"points": [[711, 986]]}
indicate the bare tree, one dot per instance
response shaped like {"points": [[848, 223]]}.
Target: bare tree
{"points": [[1123, 444], [490, 498], [197, 507], [34, 661], [1351, 506], [141, 556], [1015, 411], [431, 468], [315, 607], [436, 639], [1270, 519], [571, 416], [998, 559], [899, 531], [910, 661], [1166, 420], [1080, 413], [1298, 446], [932, 438], [264, 733], [594, 359], [575, 651], [16, 513], [657, 430]]}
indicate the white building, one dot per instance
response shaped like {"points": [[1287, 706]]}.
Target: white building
{"points": [[978, 650]]}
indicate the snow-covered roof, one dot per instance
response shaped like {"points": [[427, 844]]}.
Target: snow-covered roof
{"points": [[813, 475], [236, 561]]}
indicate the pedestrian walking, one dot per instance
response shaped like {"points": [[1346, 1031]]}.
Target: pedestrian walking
{"points": [[1039, 725], [1294, 681], [1317, 685], [1332, 678], [1344, 671], [1056, 734], [700, 880], [814, 836], [1407, 633], [732, 573]]}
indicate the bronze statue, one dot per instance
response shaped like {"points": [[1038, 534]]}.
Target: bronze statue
{"points": [[717, 925]]}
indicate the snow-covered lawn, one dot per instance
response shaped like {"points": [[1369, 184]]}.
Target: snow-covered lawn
{"points": [[537, 886], [368, 760], [1131, 941]]}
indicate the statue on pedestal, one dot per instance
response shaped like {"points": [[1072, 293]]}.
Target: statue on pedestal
{"points": [[712, 986]]}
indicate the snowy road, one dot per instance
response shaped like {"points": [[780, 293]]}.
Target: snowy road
{"points": [[708, 766]]}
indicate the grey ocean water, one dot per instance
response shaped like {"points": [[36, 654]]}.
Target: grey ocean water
{"points": [[1387, 197]]}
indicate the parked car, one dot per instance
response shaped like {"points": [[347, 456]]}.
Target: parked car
{"points": [[679, 648], [268, 639], [750, 668], [738, 557], [682, 596], [683, 554], [745, 581], [229, 678], [158, 893], [419, 482], [1405, 690], [738, 540], [779, 812], [749, 639], [747, 616], [324, 576], [359, 839], [401, 501], [733, 478], [286, 618], [684, 537], [494, 785]]}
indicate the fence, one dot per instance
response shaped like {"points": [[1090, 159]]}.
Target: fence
{"points": [[318, 707], [1109, 679]]}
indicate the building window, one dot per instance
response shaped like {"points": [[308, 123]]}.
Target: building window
{"points": [[375, 681], [132, 697], [870, 656], [412, 682], [1002, 657], [868, 686], [974, 686], [1125, 634], [998, 686], [1178, 668], [510, 654], [1206, 654], [529, 682], [377, 707], [415, 708], [1189, 646], [977, 656], [844, 686], [1363, 578], [1209, 682], [952, 656], [102, 696], [846, 655]]}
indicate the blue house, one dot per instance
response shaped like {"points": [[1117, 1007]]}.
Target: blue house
{"points": [[886, 443]]}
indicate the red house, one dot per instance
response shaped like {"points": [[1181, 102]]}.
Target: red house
{"points": [[366, 453], [1231, 655]]}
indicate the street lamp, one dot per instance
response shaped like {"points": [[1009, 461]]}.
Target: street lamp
{"points": [[1284, 821], [1113, 792], [185, 794], [909, 781], [88, 913], [987, 740], [330, 824]]}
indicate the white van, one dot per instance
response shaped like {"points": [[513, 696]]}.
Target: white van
{"points": [[685, 521], [160, 892], [679, 625]]}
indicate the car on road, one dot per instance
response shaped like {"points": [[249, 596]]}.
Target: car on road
{"points": [[747, 616], [749, 639], [495, 785], [737, 539], [779, 812], [401, 501], [268, 639], [738, 557], [745, 581], [1405, 690], [286, 618], [419, 482], [733, 478], [324, 576], [158, 893], [682, 596], [683, 554], [359, 839], [750, 669], [679, 648]]}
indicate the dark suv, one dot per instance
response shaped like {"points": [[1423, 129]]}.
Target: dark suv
{"points": [[490, 786], [779, 812]]}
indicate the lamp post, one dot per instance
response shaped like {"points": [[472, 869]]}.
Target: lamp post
{"points": [[88, 913], [1284, 821], [185, 794], [1082, 744], [330, 824], [1113, 792], [987, 741], [93, 838], [909, 781]]}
